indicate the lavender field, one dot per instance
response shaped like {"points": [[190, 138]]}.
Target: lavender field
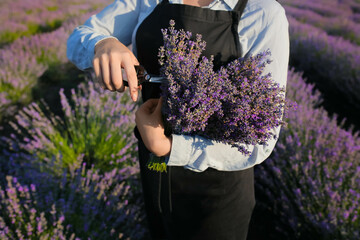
{"points": [[68, 157]]}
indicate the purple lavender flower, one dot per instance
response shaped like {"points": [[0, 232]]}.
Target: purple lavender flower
{"points": [[23, 61], [311, 181], [237, 99], [97, 128], [106, 205], [24, 18], [332, 63], [340, 25]]}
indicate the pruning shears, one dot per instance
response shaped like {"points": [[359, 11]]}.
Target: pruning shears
{"points": [[143, 76]]}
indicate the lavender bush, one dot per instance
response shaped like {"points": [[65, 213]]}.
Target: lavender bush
{"points": [[86, 205], [326, 8], [342, 26], [27, 17], [20, 218], [16, 79], [96, 128], [312, 179], [310, 183], [237, 99], [332, 63], [25, 60], [356, 18]]}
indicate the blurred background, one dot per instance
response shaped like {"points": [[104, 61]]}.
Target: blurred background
{"points": [[68, 157]]}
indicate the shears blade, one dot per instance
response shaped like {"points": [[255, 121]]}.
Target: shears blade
{"points": [[143, 76]]}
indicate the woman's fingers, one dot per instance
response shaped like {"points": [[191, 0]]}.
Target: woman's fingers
{"points": [[149, 122], [158, 106], [149, 106], [129, 69], [115, 69], [98, 76], [105, 72], [110, 56]]}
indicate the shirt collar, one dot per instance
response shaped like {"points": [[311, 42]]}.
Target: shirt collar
{"points": [[230, 3]]}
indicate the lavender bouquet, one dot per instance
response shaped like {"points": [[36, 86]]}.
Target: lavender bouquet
{"points": [[237, 104]]}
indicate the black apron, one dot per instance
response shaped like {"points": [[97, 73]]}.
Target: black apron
{"points": [[182, 204], [218, 28]]}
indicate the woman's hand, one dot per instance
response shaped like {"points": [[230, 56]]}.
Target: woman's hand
{"points": [[109, 57], [150, 125]]}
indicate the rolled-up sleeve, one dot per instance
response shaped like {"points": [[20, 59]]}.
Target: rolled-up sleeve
{"points": [[117, 20]]}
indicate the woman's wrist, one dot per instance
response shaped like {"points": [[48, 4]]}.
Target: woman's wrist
{"points": [[162, 147]]}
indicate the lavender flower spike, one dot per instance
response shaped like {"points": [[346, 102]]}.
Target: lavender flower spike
{"points": [[236, 105]]}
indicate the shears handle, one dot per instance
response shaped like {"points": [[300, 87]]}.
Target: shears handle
{"points": [[141, 74]]}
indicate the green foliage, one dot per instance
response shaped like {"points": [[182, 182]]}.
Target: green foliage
{"points": [[7, 37], [52, 8], [96, 127]]}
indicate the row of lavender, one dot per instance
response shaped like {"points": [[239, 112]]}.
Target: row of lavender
{"points": [[52, 194], [26, 59], [336, 17], [73, 177], [311, 183], [325, 44], [23, 62], [46, 189], [27, 17]]}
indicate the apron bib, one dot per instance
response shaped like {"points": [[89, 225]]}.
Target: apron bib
{"points": [[182, 204], [218, 28]]}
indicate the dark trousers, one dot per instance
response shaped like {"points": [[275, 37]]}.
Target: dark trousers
{"points": [[186, 205]]}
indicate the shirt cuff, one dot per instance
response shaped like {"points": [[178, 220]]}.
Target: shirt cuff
{"points": [[180, 152], [103, 38]]}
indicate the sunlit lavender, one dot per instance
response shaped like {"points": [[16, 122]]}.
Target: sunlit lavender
{"points": [[73, 176], [239, 100], [312, 179], [26, 59], [96, 128], [86, 205], [332, 63], [338, 25], [28, 17]]}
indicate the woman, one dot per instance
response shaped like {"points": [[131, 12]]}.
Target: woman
{"points": [[208, 190]]}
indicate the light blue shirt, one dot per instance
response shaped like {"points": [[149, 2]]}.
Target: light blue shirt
{"points": [[263, 26]]}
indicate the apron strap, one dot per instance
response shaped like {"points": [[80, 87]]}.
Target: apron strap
{"points": [[240, 6]]}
